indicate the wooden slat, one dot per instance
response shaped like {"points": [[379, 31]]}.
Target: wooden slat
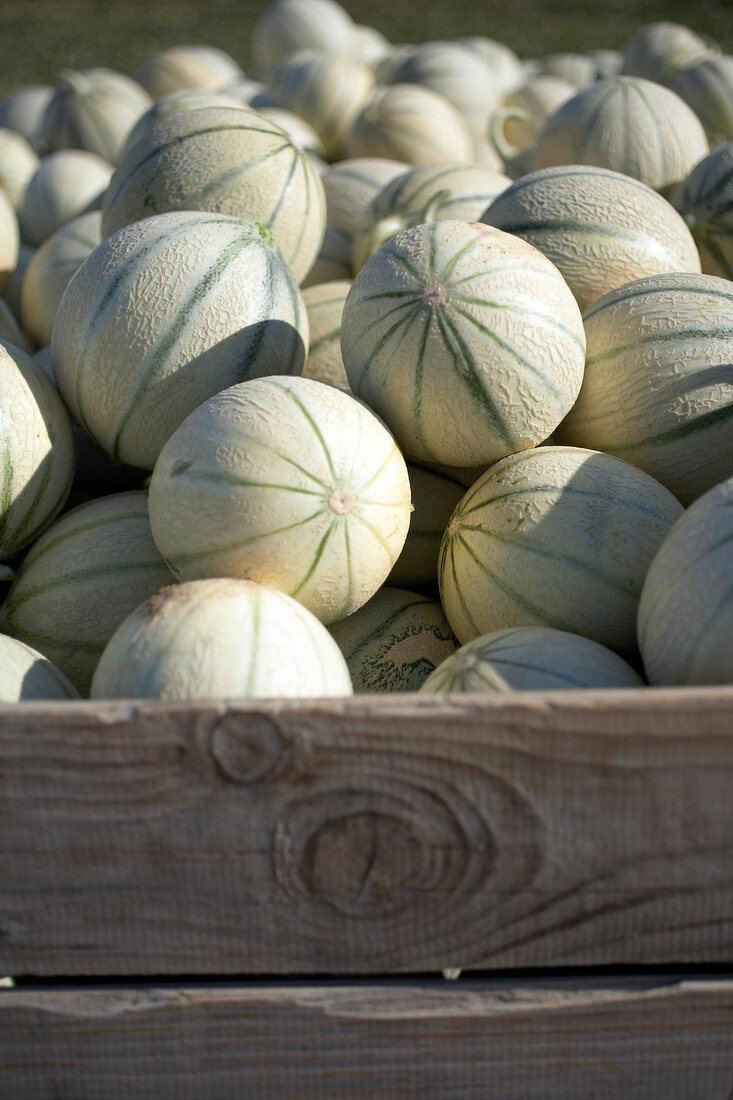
{"points": [[372, 1041], [367, 836]]}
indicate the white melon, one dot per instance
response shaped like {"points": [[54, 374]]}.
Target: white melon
{"points": [[9, 241], [333, 261], [66, 184], [18, 162], [411, 123], [13, 287], [325, 305], [220, 639], [186, 99], [705, 201], [287, 26], [350, 186], [659, 50], [94, 109], [576, 68], [707, 87], [10, 330], [24, 111], [26, 675], [179, 67]]}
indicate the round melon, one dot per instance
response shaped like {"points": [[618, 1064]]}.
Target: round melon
{"points": [[81, 578], [18, 162], [13, 287], [228, 161], [27, 675], [186, 99], [287, 26], [293, 483], [411, 123], [531, 658], [325, 305], [300, 132], [659, 50], [394, 642], [333, 261], [350, 186], [165, 313], [369, 45], [426, 193], [576, 68], [36, 451], [179, 67], [94, 109], [707, 87], [629, 125], [658, 384], [559, 537], [327, 90], [220, 639], [600, 228], [24, 111], [10, 330], [686, 609], [705, 201], [9, 241], [467, 341], [506, 68], [50, 270], [517, 124], [66, 184]]}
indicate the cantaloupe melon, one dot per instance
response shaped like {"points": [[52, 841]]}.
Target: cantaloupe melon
{"points": [[659, 50], [179, 67], [27, 675], [705, 201], [287, 26], [66, 184], [24, 110], [350, 186], [707, 87], [411, 123], [18, 162], [185, 99], [325, 305], [94, 109]]}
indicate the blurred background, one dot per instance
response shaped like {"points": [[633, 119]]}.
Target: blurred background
{"points": [[40, 37]]}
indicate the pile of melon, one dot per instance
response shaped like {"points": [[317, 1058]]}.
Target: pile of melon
{"points": [[358, 366]]}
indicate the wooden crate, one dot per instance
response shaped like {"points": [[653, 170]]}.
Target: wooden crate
{"points": [[257, 899]]}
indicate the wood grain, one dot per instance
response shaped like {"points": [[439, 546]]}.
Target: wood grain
{"points": [[367, 836], [636, 1040]]}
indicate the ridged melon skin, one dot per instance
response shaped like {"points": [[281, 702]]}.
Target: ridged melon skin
{"points": [[299, 131], [229, 161], [325, 305], [686, 608], [659, 50], [27, 675], [81, 578], [18, 162], [180, 67], [350, 186], [185, 99], [287, 26], [36, 451], [531, 658], [629, 125], [467, 341], [600, 228], [67, 183], [394, 642], [707, 87], [294, 484], [658, 383], [705, 201], [427, 193], [9, 241], [559, 537], [410, 123], [94, 109], [50, 271], [220, 639], [226, 308]]}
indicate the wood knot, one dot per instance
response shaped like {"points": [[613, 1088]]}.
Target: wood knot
{"points": [[248, 748]]}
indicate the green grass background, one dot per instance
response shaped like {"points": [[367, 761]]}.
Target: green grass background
{"points": [[40, 37]]}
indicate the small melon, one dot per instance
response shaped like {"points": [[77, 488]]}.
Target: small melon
{"points": [[325, 305], [180, 67]]}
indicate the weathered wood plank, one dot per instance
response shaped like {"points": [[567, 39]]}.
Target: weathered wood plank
{"points": [[367, 836], [368, 1041]]}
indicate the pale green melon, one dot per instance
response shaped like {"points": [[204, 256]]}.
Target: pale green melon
{"points": [[300, 132], [50, 270], [180, 67], [293, 483], [185, 99], [369, 45], [220, 639], [27, 675], [517, 124], [659, 50], [165, 313], [66, 184], [506, 68], [707, 87], [411, 123], [600, 228], [686, 608], [36, 451], [705, 201], [24, 110], [350, 186], [81, 578], [229, 161], [286, 26], [467, 341], [394, 642], [325, 305], [559, 537], [531, 658], [94, 109], [18, 162], [658, 383]]}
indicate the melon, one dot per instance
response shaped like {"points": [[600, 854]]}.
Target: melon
{"points": [[517, 124], [94, 109], [66, 184], [81, 578], [36, 451], [179, 67], [50, 270], [658, 383], [165, 313], [13, 287], [186, 99], [369, 45], [576, 68], [18, 162], [26, 675], [350, 186], [600, 228], [705, 201], [287, 26], [24, 111], [467, 341], [629, 125], [300, 132], [707, 87], [559, 537], [411, 123], [659, 50], [394, 642], [10, 330], [293, 483], [686, 609], [228, 161], [531, 658], [506, 68], [9, 241], [220, 639], [325, 305], [333, 261]]}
